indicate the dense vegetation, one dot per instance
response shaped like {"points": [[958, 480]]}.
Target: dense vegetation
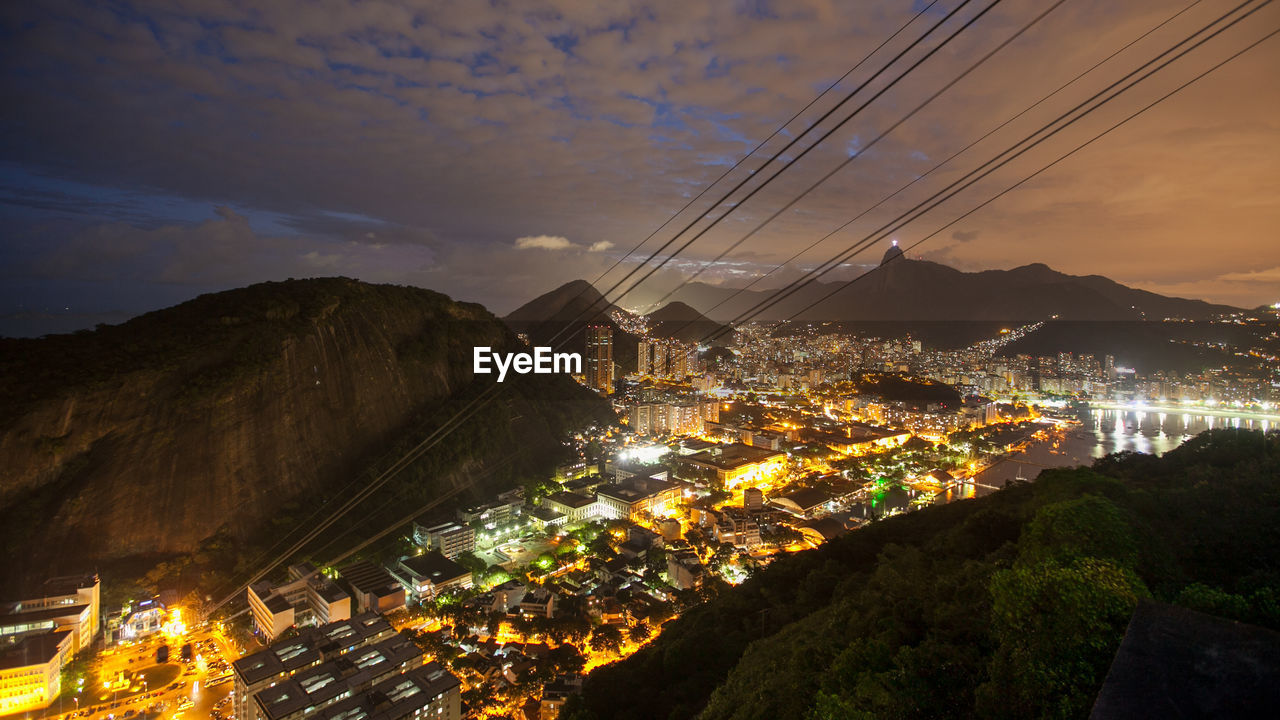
{"points": [[1007, 606], [899, 388]]}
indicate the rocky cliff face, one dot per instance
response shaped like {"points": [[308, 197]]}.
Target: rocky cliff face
{"points": [[151, 436]]}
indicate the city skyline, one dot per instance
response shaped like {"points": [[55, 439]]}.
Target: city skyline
{"points": [[153, 153]]}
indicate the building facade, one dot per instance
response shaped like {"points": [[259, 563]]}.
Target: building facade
{"points": [[599, 359], [309, 598], [31, 670], [451, 539]]}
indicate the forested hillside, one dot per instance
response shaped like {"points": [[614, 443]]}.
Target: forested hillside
{"points": [[1009, 606]]}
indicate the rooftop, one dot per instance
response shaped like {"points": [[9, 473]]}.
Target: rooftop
{"points": [[434, 567], [635, 489], [395, 697], [369, 578], [570, 500], [350, 670], [310, 646], [327, 589], [68, 584], [733, 456], [34, 649], [806, 498]]}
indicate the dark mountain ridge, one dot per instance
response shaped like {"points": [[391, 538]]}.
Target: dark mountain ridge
{"points": [[575, 300], [680, 321], [228, 413], [903, 289]]}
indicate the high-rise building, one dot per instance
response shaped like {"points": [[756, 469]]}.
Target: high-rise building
{"points": [[666, 358], [599, 358]]}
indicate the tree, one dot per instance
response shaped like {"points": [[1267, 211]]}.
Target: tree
{"points": [[1058, 627], [469, 561], [640, 632], [493, 622], [781, 536], [566, 659], [606, 638]]}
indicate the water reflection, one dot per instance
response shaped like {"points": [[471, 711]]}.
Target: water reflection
{"points": [[1110, 431]]}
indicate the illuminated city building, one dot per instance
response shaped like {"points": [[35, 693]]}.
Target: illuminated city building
{"points": [[426, 576], [138, 621], [684, 569], [573, 506], [70, 601], [638, 498], [309, 598], [502, 511], [538, 602], [31, 669], [737, 464], [450, 538], [542, 518], [806, 502], [735, 527], [373, 587], [357, 668], [272, 613], [688, 417], [39, 634], [599, 359], [666, 359]]}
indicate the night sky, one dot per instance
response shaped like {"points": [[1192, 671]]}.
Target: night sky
{"points": [[152, 151]]}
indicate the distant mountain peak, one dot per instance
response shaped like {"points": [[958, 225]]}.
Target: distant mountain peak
{"points": [[676, 310], [682, 321], [574, 300], [893, 253]]}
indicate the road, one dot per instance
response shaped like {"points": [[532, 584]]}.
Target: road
{"points": [[131, 684]]}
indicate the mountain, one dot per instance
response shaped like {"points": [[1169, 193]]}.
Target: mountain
{"points": [[1011, 605], [559, 319], [236, 414], [575, 300], [680, 321], [901, 289]]}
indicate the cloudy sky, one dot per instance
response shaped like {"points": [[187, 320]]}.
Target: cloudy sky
{"points": [[151, 151]]}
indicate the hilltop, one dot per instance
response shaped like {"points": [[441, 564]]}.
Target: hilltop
{"points": [[679, 321], [229, 418]]}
